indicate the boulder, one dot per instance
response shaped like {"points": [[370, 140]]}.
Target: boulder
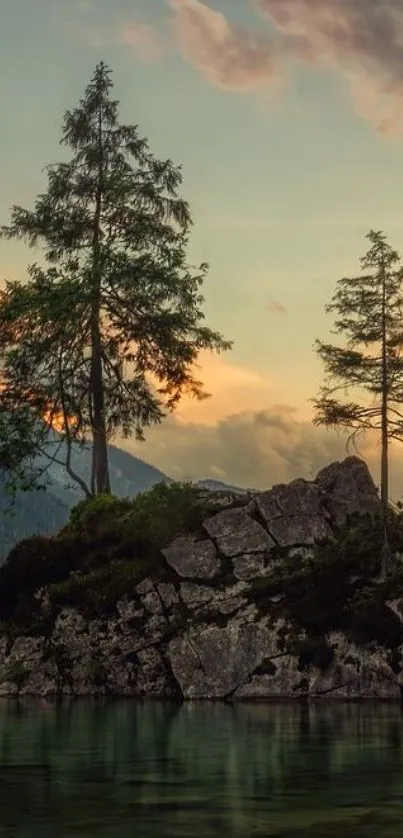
{"points": [[294, 514], [348, 489], [192, 559], [235, 532], [212, 661]]}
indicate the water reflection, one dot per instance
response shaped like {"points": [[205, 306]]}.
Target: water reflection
{"points": [[155, 770]]}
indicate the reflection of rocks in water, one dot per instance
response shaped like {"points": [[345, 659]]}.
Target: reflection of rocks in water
{"points": [[207, 769]]}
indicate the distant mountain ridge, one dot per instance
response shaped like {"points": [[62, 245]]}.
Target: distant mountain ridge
{"points": [[129, 475], [33, 512]]}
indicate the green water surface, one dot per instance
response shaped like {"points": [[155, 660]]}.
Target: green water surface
{"points": [[152, 770]]}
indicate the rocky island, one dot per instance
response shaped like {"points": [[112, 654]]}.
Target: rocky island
{"points": [[187, 594]]}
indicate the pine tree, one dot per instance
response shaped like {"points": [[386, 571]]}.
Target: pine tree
{"points": [[369, 312], [104, 339]]}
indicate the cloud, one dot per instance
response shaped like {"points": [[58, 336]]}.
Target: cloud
{"points": [[144, 39], [228, 56], [361, 39], [255, 449], [248, 434], [250, 448], [275, 308]]}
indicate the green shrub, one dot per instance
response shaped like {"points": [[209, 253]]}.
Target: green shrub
{"points": [[164, 512], [98, 591], [151, 518], [136, 528], [93, 516]]}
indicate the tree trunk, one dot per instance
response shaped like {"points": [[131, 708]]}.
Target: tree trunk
{"points": [[100, 446], [386, 554], [100, 467]]}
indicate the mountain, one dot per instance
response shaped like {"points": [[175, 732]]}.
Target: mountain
{"points": [[129, 475], [32, 512], [46, 512]]}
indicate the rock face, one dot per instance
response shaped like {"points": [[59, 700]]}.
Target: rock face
{"points": [[347, 488], [204, 632], [193, 559]]}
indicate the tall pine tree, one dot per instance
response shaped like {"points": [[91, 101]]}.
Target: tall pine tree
{"points": [[369, 310], [104, 339]]}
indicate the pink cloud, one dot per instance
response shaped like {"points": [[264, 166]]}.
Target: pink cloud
{"points": [[361, 39], [228, 56], [353, 32]]}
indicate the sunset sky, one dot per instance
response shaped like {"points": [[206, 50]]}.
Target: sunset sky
{"points": [[287, 116]]}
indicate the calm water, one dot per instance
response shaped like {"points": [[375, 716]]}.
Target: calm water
{"points": [[156, 770]]}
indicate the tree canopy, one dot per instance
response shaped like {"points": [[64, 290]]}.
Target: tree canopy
{"points": [[369, 311], [104, 338]]}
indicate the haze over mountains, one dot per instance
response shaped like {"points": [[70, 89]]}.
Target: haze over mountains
{"points": [[47, 511]]}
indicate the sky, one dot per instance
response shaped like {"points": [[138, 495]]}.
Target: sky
{"points": [[287, 118]]}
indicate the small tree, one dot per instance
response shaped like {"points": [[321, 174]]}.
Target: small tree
{"points": [[105, 338], [369, 312]]}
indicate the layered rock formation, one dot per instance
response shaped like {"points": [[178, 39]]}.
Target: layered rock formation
{"points": [[211, 627]]}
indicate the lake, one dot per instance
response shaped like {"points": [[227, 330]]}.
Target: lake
{"points": [[152, 770]]}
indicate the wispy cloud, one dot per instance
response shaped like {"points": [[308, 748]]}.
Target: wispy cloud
{"points": [[361, 39], [228, 56], [275, 307]]}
